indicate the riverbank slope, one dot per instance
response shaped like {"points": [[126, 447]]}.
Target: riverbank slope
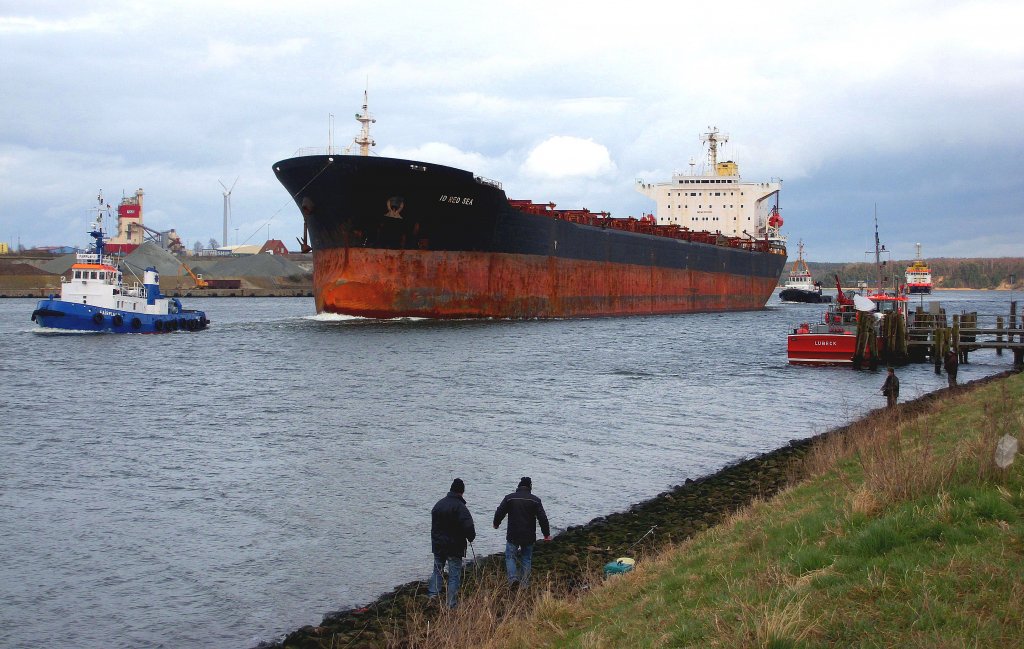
{"points": [[680, 539], [905, 532]]}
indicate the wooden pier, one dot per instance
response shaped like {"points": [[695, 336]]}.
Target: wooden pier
{"points": [[930, 334]]}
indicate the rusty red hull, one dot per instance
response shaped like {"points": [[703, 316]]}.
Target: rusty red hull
{"points": [[381, 283]]}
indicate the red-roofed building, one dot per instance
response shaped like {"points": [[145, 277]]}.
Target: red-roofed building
{"points": [[274, 247]]}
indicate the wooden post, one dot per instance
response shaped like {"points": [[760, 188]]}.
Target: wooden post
{"points": [[1013, 320], [999, 336]]}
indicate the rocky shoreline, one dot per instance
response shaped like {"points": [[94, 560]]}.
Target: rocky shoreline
{"points": [[673, 515]]}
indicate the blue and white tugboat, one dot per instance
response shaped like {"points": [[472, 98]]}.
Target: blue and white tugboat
{"points": [[93, 297]]}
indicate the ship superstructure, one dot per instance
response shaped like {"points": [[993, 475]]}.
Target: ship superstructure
{"points": [[716, 199], [919, 276]]}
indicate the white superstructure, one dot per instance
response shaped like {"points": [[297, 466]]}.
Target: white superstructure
{"points": [[716, 200]]}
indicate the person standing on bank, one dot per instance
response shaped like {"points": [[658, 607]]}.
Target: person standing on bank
{"points": [[451, 527], [891, 388], [952, 364], [524, 511]]}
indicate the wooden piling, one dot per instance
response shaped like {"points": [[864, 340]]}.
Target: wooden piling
{"points": [[999, 337], [1013, 320]]}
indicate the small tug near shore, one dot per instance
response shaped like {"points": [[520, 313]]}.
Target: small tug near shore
{"points": [[93, 297], [801, 287]]}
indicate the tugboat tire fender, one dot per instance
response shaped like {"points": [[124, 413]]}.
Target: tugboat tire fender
{"points": [[136, 323], [118, 320], [97, 318], [158, 325]]}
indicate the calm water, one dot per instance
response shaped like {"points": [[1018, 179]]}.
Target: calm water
{"points": [[221, 488]]}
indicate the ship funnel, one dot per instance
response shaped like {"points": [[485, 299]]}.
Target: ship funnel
{"points": [[151, 280]]}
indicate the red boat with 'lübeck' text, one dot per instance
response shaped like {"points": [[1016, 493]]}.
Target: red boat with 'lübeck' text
{"points": [[833, 340]]}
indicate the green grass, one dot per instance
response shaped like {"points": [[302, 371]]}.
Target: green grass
{"points": [[904, 534]]}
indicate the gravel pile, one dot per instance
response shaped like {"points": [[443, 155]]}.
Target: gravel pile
{"points": [[262, 265]]}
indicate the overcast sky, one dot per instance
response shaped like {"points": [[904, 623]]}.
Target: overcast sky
{"points": [[916, 107]]}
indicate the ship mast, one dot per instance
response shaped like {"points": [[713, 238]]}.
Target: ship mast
{"points": [[713, 138], [363, 139], [879, 249]]}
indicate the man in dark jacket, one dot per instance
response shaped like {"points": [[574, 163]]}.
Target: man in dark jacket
{"points": [[952, 364], [451, 526], [891, 388], [524, 510]]}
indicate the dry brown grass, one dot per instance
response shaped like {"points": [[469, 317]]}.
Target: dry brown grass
{"points": [[487, 606]]}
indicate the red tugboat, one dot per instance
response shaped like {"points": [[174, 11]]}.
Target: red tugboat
{"points": [[834, 340]]}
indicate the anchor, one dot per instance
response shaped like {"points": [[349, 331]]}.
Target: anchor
{"points": [[304, 241]]}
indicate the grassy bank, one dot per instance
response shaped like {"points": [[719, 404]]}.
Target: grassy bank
{"points": [[899, 531], [896, 530]]}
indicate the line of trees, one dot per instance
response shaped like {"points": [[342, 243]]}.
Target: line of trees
{"points": [[979, 273]]}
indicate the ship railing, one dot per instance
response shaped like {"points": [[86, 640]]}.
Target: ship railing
{"points": [[315, 150], [134, 290], [487, 181], [93, 258]]}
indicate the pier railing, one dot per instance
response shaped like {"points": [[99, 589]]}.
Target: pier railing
{"points": [[934, 332]]}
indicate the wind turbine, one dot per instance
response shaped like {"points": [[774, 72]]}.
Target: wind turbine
{"points": [[227, 208]]}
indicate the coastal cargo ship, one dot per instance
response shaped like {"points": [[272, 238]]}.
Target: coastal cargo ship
{"points": [[406, 238], [919, 276]]}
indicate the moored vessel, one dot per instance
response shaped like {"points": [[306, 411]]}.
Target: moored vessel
{"points": [[400, 238], [919, 276], [94, 297], [800, 286], [863, 328]]}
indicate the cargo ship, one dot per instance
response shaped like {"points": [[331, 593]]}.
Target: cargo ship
{"points": [[406, 238], [919, 276]]}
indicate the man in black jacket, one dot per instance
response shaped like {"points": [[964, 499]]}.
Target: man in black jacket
{"points": [[524, 510], [451, 526], [891, 388], [952, 364]]}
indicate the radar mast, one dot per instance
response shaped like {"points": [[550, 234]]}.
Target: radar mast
{"points": [[712, 138], [363, 139]]}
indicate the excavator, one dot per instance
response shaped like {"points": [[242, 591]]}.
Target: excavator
{"points": [[198, 279]]}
